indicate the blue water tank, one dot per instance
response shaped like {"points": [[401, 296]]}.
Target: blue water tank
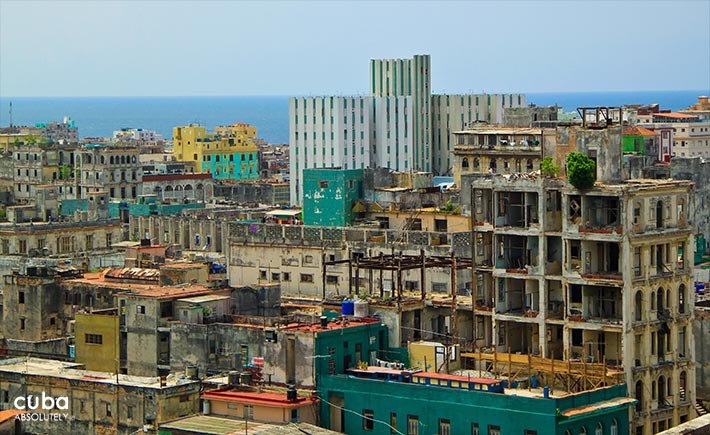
{"points": [[546, 392], [348, 308], [699, 288]]}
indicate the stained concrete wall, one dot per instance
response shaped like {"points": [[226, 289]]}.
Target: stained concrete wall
{"points": [[701, 327]]}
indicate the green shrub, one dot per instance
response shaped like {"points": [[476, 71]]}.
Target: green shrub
{"points": [[580, 170], [548, 168]]}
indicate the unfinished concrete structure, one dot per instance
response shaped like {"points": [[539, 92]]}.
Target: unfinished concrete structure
{"points": [[602, 276]]}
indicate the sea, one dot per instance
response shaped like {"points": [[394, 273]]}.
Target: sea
{"points": [[100, 116]]}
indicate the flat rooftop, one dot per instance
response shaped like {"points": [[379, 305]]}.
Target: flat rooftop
{"points": [[75, 371], [152, 290], [332, 325], [257, 398], [213, 425], [203, 299], [493, 129]]}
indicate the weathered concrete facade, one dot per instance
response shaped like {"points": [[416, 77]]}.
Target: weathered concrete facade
{"points": [[99, 403], [602, 275]]}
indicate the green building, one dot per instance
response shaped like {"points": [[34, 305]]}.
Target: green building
{"points": [[329, 195], [639, 141], [357, 405], [358, 398]]}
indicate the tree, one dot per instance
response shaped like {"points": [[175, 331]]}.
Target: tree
{"points": [[548, 168], [580, 170]]}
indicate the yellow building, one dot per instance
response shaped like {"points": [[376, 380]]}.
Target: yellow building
{"points": [[96, 340], [229, 153]]}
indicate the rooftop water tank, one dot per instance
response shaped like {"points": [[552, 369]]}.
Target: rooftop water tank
{"points": [[361, 308], [348, 308]]}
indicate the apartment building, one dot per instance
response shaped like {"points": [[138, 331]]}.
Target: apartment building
{"points": [[115, 170], [497, 150], [229, 153], [400, 125], [601, 276]]}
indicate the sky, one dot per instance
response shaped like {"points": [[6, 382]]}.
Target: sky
{"points": [[169, 48]]}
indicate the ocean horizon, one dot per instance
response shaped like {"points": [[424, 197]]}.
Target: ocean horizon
{"points": [[100, 116]]}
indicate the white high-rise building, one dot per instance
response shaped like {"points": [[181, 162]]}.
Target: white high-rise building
{"points": [[401, 126]]}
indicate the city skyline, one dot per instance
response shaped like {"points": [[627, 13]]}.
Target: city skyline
{"points": [[303, 48]]}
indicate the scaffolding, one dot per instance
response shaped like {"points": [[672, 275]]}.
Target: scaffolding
{"points": [[566, 375]]}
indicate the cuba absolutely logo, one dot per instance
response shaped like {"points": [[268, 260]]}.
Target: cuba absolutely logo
{"points": [[38, 408]]}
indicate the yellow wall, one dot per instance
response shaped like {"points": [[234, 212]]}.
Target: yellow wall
{"points": [[188, 149], [266, 414], [100, 357]]}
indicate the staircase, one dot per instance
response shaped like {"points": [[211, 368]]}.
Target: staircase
{"points": [[700, 408]]}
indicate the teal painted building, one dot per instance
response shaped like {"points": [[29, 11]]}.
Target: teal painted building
{"points": [[363, 402], [329, 195], [232, 166], [378, 406]]}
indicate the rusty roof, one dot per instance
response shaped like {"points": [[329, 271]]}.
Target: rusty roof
{"points": [[639, 131], [620, 401], [332, 325], [134, 273]]}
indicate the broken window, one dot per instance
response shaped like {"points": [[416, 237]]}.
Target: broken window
{"points": [[323, 184], [575, 208]]}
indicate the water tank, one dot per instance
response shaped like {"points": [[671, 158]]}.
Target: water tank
{"points": [[348, 308], [191, 372], [361, 308], [233, 378], [699, 288], [291, 394], [206, 407]]}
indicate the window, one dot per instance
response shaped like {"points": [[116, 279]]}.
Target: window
{"points": [[308, 259], [368, 423], [530, 432], [444, 427], [248, 412], [93, 338], [323, 184], [129, 412], [493, 430], [140, 309], [21, 298], [599, 430], [331, 279], [287, 276], [583, 431], [393, 422], [262, 274], [294, 415], [22, 324], [306, 277], [412, 425], [614, 428], [275, 276], [474, 429], [108, 410]]}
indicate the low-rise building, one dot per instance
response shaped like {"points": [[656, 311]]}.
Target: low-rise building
{"points": [[98, 402]]}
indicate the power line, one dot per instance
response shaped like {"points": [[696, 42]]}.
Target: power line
{"points": [[363, 416]]}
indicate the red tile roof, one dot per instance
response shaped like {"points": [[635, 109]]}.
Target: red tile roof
{"points": [[639, 131], [674, 115]]}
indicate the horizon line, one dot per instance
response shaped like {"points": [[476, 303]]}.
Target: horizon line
{"points": [[339, 94]]}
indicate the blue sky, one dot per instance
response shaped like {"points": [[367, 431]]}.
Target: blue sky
{"points": [[131, 48]]}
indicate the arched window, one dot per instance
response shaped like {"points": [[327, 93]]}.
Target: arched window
{"points": [[567, 432], [668, 299], [530, 165], [638, 306], [494, 166], [582, 430], [639, 395], [518, 166], [659, 299], [653, 300], [653, 390], [476, 163], [103, 160], [599, 430], [464, 163], [659, 214], [681, 298], [614, 428], [111, 160]]}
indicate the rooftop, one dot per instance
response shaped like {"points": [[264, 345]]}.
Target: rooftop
{"points": [[639, 131], [257, 398], [211, 425], [675, 115], [74, 371], [203, 299], [497, 129], [134, 273], [332, 325]]}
